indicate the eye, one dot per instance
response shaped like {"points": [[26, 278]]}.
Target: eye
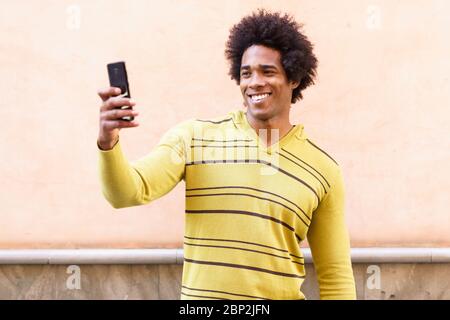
{"points": [[245, 74]]}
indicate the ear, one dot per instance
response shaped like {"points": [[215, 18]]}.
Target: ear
{"points": [[294, 84]]}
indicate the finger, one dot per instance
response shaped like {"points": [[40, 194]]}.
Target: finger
{"points": [[117, 102], [106, 93], [119, 124], [116, 114]]}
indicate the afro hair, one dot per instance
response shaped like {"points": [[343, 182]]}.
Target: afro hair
{"points": [[279, 32]]}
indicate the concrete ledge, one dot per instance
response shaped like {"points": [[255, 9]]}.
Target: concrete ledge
{"points": [[91, 256], [175, 256]]}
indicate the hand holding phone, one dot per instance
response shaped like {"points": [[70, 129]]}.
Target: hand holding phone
{"points": [[116, 111]]}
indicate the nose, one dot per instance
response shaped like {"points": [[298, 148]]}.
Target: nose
{"points": [[256, 81]]}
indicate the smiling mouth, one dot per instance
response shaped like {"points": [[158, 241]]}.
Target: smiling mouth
{"points": [[257, 98]]}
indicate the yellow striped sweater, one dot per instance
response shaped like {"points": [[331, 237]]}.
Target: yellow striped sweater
{"points": [[248, 208]]}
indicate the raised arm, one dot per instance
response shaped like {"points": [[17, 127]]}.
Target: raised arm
{"points": [[126, 184]]}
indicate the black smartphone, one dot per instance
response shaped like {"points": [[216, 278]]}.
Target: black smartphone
{"points": [[117, 73]]}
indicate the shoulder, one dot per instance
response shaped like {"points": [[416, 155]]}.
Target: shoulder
{"points": [[314, 157], [216, 127], [327, 157], [181, 132], [326, 162], [189, 128], [215, 122]]}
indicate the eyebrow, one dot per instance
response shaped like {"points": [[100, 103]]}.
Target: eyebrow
{"points": [[262, 66]]}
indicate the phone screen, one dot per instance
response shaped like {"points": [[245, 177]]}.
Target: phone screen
{"points": [[117, 73]]}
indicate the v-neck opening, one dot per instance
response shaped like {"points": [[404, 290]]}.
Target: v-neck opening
{"points": [[261, 145]]}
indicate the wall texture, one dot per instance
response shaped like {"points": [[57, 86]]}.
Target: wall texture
{"points": [[155, 282], [379, 106]]}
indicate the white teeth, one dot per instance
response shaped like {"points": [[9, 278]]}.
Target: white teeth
{"points": [[259, 97]]}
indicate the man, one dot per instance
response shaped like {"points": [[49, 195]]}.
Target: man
{"points": [[256, 186]]}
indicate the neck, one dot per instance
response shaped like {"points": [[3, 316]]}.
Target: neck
{"points": [[263, 127]]}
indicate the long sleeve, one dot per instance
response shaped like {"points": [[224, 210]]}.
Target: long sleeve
{"points": [[126, 184], [330, 245]]}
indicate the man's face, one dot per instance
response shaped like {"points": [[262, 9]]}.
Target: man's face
{"points": [[264, 85]]}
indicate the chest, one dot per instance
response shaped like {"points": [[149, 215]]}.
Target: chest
{"points": [[254, 183]]}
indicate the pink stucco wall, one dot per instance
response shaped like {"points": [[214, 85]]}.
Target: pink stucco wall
{"points": [[380, 107]]}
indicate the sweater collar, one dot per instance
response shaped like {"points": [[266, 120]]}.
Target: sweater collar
{"points": [[240, 121]]}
